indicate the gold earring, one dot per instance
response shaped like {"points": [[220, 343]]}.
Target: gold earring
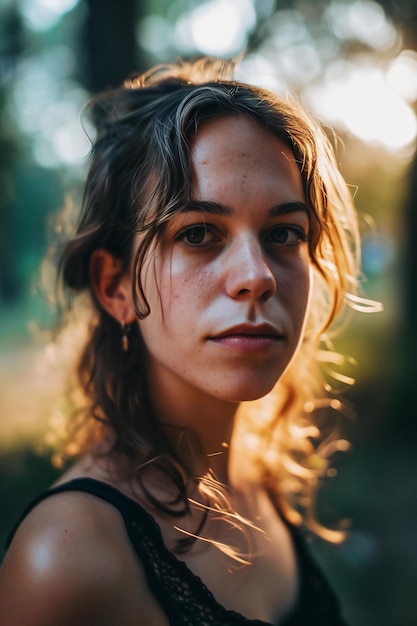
{"points": [[125, 338]]}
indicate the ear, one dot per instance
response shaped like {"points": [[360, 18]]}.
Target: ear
{"points": [[111, 286]]}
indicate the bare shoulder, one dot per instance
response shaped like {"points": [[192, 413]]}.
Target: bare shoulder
{"points": [[71, 562]]}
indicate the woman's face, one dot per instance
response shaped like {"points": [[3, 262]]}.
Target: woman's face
{"points": [[229, 285]]}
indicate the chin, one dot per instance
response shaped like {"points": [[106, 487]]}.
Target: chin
{"points": [[249, 392]]}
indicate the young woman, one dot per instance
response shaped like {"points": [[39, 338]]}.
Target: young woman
{"points": [[217, 242]]}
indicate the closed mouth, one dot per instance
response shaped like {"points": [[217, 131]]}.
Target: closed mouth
{"points": [[265, 331]]}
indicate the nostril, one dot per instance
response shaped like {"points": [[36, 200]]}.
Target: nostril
{"points": [[266, 295]]}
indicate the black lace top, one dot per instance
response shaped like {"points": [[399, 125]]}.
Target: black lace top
{"points": [[182, 595]]}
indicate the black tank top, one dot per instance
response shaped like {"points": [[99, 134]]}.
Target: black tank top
{"points": [[182, 595]]}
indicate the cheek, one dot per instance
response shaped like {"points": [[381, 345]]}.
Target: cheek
{"points": [[296, 290], [175, 287], [293, 280], [185, 283]]}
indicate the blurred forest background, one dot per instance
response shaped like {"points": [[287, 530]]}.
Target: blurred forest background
{"points": [[354, 65]]}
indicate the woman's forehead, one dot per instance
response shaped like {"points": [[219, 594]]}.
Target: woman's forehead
{"points": [[238, 150]]}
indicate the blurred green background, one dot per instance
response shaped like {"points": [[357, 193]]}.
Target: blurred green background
{"points": [[354, 65]]}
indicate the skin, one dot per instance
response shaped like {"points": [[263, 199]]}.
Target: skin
{"points": [[228, 301]]}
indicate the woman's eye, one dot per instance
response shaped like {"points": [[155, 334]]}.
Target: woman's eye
{"points": [[286, 235], [195, 234]]}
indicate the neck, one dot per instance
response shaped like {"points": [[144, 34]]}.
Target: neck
{"points": [[199, 427]]}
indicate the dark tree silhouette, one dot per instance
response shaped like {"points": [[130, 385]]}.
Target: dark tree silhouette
{"points": [[111, 50]]}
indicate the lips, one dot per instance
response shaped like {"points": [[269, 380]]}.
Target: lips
{"points": [[249, 330], [248, 338]]}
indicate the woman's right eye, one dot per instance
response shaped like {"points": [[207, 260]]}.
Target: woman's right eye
{"points": [[195, 235]]}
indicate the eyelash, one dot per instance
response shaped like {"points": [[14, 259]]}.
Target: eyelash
{"points": [[302, 236], [192, 228], [203, 229]]}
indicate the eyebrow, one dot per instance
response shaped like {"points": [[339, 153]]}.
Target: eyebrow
{"points": [[215, 208]]}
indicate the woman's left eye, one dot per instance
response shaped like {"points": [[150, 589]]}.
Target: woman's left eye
{"points": [[196, 234], [286, 235]]}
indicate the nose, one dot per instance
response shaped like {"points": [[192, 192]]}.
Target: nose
{"points": [[248, 273]]}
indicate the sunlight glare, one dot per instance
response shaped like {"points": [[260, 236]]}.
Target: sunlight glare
{"points": [[402, 75], [258, 70], [360, 99], [219, 27]]}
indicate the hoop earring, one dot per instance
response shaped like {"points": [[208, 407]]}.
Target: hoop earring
{"points": [[125, 338]]}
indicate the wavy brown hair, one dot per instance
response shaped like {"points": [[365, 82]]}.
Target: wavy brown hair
{"points": [[139, 176]]}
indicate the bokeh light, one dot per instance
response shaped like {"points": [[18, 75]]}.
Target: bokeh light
{"points": [[219, 27], [259, 67], [363, 21], [358, 97], [154, 33], [402, 75], [41, 15], [46, 105]]}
